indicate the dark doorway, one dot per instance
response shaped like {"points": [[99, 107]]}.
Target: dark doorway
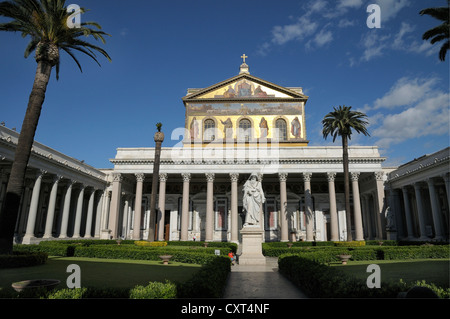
{"points": [[166, 225]]}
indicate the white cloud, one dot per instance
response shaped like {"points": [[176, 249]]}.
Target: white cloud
{"points": [[316, 16], [404, 92], [297, 31], [323, 37], [343, 23], [349, 3], [374, 45], [424, 112], [390, 8]]}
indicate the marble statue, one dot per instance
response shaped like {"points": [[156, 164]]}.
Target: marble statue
{"points": [[252, 200]]}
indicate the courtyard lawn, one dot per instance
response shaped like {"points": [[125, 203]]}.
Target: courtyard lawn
{"points": [[431, 270], [101, 273]]}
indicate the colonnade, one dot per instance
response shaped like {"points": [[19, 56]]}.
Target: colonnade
{"points": [[49, 209], [423, 212], [209, 178]]}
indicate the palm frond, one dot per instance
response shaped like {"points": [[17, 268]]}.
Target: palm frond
{"points": [[45, 21], [342, 121]]}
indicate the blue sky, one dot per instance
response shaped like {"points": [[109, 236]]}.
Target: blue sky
{"points": [[159, 49]]}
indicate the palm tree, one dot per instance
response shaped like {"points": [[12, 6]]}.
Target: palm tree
{"points": [[441, 32], [46, 22], [341, 122]]}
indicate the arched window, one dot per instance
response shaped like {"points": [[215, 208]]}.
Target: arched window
{"points": [[209, 127], [281, 127], [245, 129]]}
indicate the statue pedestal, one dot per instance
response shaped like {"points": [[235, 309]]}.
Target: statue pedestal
{"points": [[252, 238]]}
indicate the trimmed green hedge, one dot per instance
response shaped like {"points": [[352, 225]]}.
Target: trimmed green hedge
{"points": [[209, 281], [23, 259], [320, 281], [188, 252], [329, 254]]}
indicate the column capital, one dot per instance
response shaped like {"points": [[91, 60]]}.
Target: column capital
{"points": [[307, 177], [117, 177], [355, 176], [234, 177], [379, 176], [282, 177], [139, 177], [210, 177], [163, 177], [57, 178], [186, 177], [331, 176], [71, 182], [40, 173]]}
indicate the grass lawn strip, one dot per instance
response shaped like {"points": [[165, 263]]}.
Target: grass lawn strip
{"points": [[102, 273], [431, 270]]}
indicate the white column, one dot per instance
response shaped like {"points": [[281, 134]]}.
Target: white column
{"points": [[420, 212], [79, 213], [408, 217], [234, 208], [185, 208], [51, 208], [116, 197], [98, 215], [333, 209], [283, 203], [379, 199], [446, 178], [162, 205], [435, 210], [309, 214], [90, 213], [359, 233], [66, 210], [138, 206], [209, 206], [31, 222]]}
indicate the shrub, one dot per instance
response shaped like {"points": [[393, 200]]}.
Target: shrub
{"points": [[154, 290], [320, 281], [441, 292], [209, 281], [22, 259], [349, 243], [150, 243], [75, 293]]}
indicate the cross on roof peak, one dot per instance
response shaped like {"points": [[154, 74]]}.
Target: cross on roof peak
{"points": [[244, 57]]}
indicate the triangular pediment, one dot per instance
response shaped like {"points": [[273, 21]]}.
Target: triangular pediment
{"points": [[244, 86]]}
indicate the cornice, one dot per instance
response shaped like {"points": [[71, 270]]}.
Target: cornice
{"points": [[295, 95], [403, 172], [226, 161]]}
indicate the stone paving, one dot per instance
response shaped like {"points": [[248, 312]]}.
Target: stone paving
{"points": [[264, 282]]}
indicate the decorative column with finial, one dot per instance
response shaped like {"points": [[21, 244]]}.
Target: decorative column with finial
{"points": [[159, 138]]}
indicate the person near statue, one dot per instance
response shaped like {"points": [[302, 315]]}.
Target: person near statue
{"points": [[252, 200]]}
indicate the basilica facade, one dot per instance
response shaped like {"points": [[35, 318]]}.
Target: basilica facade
{"points": [[241, 126]]}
